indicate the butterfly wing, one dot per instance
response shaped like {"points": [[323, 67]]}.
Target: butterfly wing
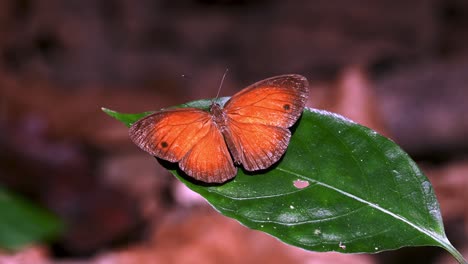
{"points": [[188, 136], [277, 101], [259, 116], [258, 146], [209, 160]]}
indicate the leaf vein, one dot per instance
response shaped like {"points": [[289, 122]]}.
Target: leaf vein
{"points": [[440, 239]]}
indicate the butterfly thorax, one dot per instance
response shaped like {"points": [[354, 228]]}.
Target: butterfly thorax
{"points": [[219, 117]]}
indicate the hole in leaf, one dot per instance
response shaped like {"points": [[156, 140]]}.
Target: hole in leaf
{"points": [[300, 184]]}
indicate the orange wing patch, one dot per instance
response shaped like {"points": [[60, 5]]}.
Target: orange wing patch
{"points": [[209, 160], [277, 101], [258, 145], [171, 134]]}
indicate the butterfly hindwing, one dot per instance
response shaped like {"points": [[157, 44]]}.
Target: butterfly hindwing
{"points": [[260, 145], [209, 160]]}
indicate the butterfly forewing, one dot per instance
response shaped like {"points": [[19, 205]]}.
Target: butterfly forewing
{"points": [[276, 101], [171, 134]]}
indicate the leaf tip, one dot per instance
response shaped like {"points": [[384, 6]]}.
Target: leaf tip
{"points": [[107, 110]]}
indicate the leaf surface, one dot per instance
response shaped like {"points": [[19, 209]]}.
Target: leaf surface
{"points": [[22, 223], [339, 187]]}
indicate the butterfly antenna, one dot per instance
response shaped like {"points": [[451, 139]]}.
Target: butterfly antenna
{"points": [[221, 84]]}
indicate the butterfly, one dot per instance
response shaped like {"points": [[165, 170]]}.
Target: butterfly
{"points": [[252, 130]]}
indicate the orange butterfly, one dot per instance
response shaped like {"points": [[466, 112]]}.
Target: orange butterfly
{"points": [[251, 129]]}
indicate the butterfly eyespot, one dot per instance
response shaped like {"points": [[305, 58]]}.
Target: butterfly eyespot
{"points": [[164, 144], [286, 107]]}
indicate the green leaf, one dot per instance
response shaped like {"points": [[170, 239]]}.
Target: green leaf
{"points": [[364, 194], [127, 119], [22, 223]]}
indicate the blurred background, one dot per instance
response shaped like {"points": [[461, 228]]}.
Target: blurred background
{"points": [[399, 67]]}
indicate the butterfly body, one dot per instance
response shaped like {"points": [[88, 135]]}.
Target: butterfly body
{"points": [[221, 120], [251, 129]]}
